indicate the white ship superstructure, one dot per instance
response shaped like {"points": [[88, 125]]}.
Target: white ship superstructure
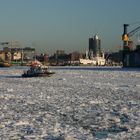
{"points": [[96, 61]]}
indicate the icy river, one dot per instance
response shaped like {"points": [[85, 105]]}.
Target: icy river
{"points": [[76, 103]]}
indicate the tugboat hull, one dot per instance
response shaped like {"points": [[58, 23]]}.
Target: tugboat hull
{"points": [[48, 74], [37, 70]]}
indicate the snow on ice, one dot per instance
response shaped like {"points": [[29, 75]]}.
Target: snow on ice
{"points": [[76, 103]]}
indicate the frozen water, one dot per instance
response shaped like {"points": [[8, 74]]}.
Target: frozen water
{"points": [[76, 103]]}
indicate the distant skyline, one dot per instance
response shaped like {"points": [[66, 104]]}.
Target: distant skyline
{"points": [[49, 25]]}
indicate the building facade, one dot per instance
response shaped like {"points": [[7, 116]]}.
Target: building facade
{"points": [[95, 46]]}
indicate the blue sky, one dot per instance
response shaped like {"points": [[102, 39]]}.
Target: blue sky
{"points": [[49, 25]]}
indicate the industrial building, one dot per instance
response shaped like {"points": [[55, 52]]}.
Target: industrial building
{"points": [[13, 53]]}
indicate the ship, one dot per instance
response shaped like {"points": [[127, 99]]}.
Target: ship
{"points": [[37, 69], [88, 62], [94, 61], [97, 61]]}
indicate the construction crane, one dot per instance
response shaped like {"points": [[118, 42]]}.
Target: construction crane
{"points": [[126, 42], [4, 43], [126, 36]]}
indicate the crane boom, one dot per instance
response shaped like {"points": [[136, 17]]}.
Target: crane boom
{"points": [[4, 43], [126, 35], [133, 31]]}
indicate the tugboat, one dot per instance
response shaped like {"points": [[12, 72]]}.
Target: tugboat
{"points": [[37, 70]]}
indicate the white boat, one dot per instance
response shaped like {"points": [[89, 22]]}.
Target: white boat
{"points": [[87, 62], [96, 61]]}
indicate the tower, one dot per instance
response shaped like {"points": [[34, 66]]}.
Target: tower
{"points": [[95, 45]]}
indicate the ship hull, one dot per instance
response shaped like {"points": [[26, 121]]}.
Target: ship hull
{"points": [[48, 74]]}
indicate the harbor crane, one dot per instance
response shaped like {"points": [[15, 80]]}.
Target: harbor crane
{"points": [[126, 40], [4, 43], [126, 36]]}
